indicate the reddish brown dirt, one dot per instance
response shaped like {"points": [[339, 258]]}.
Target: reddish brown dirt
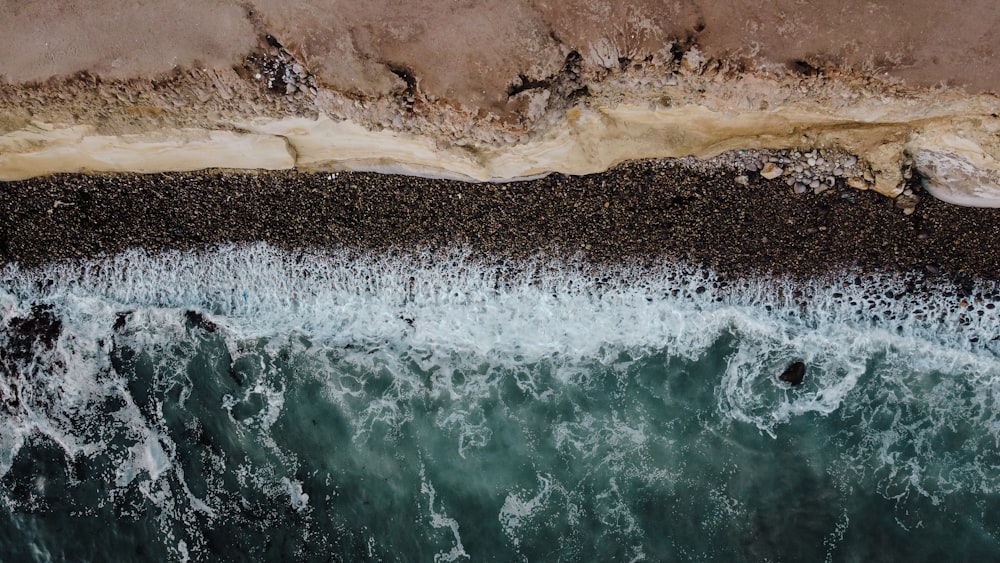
{"points": [[471, 51]]}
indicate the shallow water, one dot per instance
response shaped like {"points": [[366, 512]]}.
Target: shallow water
{"points": [[249, 404]]}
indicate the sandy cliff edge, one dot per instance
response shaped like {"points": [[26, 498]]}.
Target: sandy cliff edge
{"points": [[954, 146], [435, 91]]}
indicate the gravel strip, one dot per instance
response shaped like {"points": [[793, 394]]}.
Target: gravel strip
{"points": [[736, 223]]}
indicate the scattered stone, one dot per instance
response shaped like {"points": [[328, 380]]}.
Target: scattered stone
{"points": [[818, 165], [857, 183], [742, 180], [908, 203], [771, 171]]}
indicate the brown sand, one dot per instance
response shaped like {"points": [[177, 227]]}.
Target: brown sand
{"points": [[471, 51]]}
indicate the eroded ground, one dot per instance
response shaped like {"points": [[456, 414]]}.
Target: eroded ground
{"points": [[500, 90]]}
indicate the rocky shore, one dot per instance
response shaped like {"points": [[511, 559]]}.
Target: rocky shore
{"points": [[705, 213]]}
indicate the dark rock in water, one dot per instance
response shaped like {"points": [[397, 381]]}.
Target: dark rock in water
{"points": [[121, 319], [199, 320], [27, 337], [794, 374], [41, 327]]}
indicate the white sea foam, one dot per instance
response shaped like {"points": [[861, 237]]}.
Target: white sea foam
{"points": [[441, 307], [449, 332], [519, 508], [439, 519], [298, 500]]}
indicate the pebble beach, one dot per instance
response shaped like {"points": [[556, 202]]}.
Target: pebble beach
{"points": [[716, 214]]}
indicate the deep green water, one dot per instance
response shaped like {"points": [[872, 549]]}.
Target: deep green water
{"points": [[405, 409]]}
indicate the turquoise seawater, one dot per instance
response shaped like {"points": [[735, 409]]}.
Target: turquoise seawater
{"points": [[250, 404]]}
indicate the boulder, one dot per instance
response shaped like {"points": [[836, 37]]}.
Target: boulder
{"points": [[794, 374]]}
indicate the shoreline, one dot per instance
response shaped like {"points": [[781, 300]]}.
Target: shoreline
{"points": [[705, 214]]}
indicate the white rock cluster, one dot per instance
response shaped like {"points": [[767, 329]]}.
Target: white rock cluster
{"points": [[282, 74], [817, 170]]}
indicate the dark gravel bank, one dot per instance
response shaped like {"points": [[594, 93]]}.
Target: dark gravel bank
{"points": [[638, 211]]}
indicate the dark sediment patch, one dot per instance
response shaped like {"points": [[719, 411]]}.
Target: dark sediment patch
{"points": [[642, 211]]}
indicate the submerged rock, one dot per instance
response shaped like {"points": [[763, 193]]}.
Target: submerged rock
{"points": [[40, 328], [794, 374], [201, 321], [121, 320], [26, 341]]}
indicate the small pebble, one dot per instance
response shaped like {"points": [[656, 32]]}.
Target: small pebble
{"points": [[771, 171]]}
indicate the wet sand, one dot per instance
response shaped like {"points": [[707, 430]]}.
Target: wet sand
{"points": [[640, 212]]}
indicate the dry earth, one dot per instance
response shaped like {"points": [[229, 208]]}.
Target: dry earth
{"points": [[500, 90], [472, 51]]}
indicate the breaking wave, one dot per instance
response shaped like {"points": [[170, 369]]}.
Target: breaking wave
{"points": [[221, 399]]}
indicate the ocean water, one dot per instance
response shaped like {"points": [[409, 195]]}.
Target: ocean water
{"points": [[249, 404]]}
